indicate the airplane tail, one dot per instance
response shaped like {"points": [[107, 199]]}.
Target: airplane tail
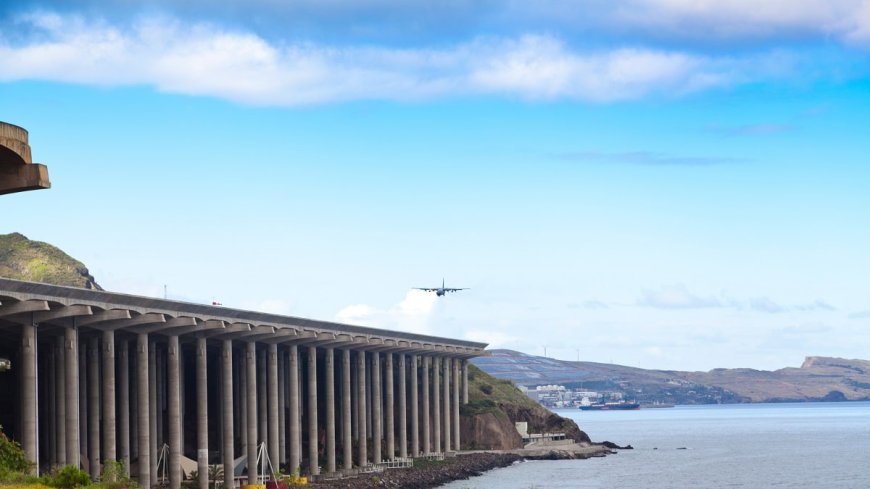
{"points": [[442, 282]]}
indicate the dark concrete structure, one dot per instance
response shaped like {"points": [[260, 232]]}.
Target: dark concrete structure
{"points": [[18, 173], [99, 376]]}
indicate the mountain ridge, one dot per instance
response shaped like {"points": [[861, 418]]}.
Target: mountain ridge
{"points": [[818, 379]]}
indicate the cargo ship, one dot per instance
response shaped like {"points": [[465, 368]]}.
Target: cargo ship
{"points": [[611, 406]]}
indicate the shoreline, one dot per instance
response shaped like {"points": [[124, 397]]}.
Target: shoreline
{"points": [[429, 474]]}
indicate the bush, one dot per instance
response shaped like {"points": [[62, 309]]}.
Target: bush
{"points": [[69, 477], [13, 463], [486, 389], [114, 476]]}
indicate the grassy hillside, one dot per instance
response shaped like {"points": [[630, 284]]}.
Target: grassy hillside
{"points": [[34, 261], [486, 394]]}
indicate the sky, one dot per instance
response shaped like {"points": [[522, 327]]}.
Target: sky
{"points": [[673, 184]]}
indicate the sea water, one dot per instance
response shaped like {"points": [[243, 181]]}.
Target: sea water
{"points": [[802, 445]]}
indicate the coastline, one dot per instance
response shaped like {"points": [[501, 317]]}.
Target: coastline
{"points": [[432, 474]]}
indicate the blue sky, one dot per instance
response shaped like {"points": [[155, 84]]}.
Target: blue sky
{"points": [[659, 183]]}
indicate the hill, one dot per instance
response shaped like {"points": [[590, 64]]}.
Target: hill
{"points": [[35, 261], [819, 378]]}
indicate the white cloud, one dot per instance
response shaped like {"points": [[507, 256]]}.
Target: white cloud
{"points": [[205, 59], [412, 314], [676, 297], [495, 339], [848, 20]]}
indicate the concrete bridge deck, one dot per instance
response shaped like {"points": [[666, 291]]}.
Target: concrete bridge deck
{"points": [[105, 376]]}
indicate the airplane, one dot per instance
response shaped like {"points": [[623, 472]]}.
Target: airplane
{"points": [[439, 291]]}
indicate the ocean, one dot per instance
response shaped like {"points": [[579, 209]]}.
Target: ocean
{"points": [[800, 445]]}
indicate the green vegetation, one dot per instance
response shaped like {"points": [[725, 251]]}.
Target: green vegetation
{"points": [[34, 261]]}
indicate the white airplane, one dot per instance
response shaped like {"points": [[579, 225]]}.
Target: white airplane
{"points": [[439, 291]]}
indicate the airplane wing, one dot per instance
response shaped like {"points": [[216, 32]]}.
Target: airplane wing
{"points": [[453, 290], [424, 288]]}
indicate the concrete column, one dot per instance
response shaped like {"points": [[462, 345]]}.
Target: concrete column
{"points": [[28, 393], [94, 407], [436, 404], [143, 413], [361, 406], [390, 421], [242, 375], [347, 441], [161, 399], [202, 412], [465, 382], [329, 386], [227, 451], [83, 402], [446, 404], [427, 448], [71, 360], [313, 464], [124, 404], [262, 401], [152, 409], [415, 411], [173, 361], [48, 435], [272, 367], [376, 407], [109, 423], [403, 409], [251, 400], [282, 406], [295, 421], [456, 426], [60, 386]]}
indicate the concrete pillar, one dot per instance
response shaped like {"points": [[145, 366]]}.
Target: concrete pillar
{"points": [[353, 401], [262, 401], [282, 406], [465, 382], [251, 401], [427, 448], [377, 433], [313, 464], [227, 451], [94, 407], [83, 402], [109, 422], [28, 393], [446, 404], [143, 412], [161, 399], [202, 412], [361, 406], [415, 410], [48, 436], [295, 421], [390, 421], [329, 387], [272, 367], [403, 409], [152, 409], [456, 426], [124, 404], [436, 403], [242, 376], [60, 387], [347, 441], [173, 361]]}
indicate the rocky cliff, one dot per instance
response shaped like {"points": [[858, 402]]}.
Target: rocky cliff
{"points": [[487, 421], [34, 261]]}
